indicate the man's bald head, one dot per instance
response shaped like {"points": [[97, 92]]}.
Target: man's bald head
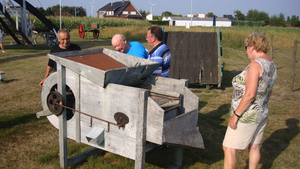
{"points": [[118, 41]]}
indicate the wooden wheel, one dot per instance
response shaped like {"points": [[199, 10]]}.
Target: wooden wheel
{"points": [[96, 34], [81, 31]]}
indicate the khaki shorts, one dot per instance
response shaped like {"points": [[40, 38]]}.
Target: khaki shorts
{"points": [[244, 135]]}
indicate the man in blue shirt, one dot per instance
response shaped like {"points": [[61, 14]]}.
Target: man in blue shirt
{"points": [[160, 52], [131, 48]]}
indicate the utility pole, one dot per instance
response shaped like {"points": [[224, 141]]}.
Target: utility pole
{"points": [[59, 14], [75, 9], [191, 13]]}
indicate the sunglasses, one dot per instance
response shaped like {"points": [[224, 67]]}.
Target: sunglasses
{"points": [[246, 47]]}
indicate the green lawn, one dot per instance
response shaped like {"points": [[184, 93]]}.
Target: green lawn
{"points": [[28, 142]]}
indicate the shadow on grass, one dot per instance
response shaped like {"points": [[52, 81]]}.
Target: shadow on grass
{"points": [[227, 78], [4, 124], [8, 81], [278, 141], [212, 132], [10, 59], [226, 81]]}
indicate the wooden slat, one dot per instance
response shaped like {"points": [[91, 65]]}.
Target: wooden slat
{"points": [[193, 52], [212, 70], [192, 58], [214, 59], [184, 55], [77, 106], [199, 55], [141, 125], [175, 61], [170, 43], [206, 60], [61, 86]]}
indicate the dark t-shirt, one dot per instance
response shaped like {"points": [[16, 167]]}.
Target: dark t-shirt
{"points": [[56, 49]]}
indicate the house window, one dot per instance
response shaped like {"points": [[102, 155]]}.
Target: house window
{"points": [[125, 12], [110, 13], [133, 12]]}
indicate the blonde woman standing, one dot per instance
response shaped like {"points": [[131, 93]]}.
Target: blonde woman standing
{"points": [[249, 105]]}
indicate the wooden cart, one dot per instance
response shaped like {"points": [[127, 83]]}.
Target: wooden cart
{"points": [[83, 28], [118, 106]]}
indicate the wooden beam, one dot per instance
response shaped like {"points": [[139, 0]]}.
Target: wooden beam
{"points": [[141, 124], [61, 86]]}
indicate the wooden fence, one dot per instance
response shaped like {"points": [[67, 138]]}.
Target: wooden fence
{"points": [[196, 56]]}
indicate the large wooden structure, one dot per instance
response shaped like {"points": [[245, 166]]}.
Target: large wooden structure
{"points": [[196, 56], [118, 106]]}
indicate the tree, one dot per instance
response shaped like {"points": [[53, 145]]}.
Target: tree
{"points": [[295, 21], [239, 15], [253, 15], [143, 13], [281, 20], [166, 13], [210, 14], [41, 10], [49, 11], [79, 10], [274, 20], [264, 16]]}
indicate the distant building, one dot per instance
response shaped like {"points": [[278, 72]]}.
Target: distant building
{"points": [[196, 21], [120, 9], [230, 17], [149, 17], [201, 15], [189, 15]]}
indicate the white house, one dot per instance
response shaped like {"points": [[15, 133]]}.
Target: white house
{"points": [[196, 21], [149, 17]]}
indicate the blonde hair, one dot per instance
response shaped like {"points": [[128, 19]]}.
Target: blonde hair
{"points": [[258, 41]]}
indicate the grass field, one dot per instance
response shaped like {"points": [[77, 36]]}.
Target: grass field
{"points": [[28, 142]]}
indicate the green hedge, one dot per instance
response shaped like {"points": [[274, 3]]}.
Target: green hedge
{"points": [[248, 23], [159, 22]]}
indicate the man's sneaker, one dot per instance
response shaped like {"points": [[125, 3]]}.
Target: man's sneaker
{"points": [[4, 51]]}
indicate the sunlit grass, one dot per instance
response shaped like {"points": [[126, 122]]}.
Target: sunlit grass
{"points": [[28, 142]]}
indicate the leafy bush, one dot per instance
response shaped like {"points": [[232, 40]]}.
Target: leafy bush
{"points": [[159, 22]]}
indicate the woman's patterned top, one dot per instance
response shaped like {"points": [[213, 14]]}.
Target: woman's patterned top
{"points": [[258, 109]]}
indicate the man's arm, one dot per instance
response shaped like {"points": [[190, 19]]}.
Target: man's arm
{"points": [[49, 69]]}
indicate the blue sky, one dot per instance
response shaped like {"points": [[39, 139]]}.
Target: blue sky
{"points": [[218, 7]]}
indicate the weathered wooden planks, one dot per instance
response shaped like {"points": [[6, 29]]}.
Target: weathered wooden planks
{"points": [[194, 56]]}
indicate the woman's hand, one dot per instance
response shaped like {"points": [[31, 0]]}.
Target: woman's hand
{"points": [[233, 121]]}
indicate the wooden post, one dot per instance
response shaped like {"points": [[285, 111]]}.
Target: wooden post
{"points": [[141, 131], [271, 48], [178, 156], [77, 106], [293, 65], [61, 86]]}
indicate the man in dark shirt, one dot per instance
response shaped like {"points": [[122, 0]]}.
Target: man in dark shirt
{"points": [[63, 46]]}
